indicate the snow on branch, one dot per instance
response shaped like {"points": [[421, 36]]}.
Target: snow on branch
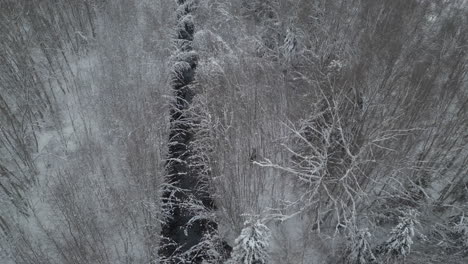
{"points": [[251, 247]]}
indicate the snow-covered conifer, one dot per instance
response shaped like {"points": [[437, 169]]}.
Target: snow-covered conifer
{"points": [[401, 237], [251, 247], [359, 249]]}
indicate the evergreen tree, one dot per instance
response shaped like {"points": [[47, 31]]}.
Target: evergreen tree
{"points": [[359, 250], [401, 237], [251, 247]]}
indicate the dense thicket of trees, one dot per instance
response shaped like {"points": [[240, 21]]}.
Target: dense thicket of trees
{"points": [[324, 131], [84, 129], [356, 111]]}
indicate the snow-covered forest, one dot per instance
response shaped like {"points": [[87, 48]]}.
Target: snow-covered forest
{"points": [[233, 131]]}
